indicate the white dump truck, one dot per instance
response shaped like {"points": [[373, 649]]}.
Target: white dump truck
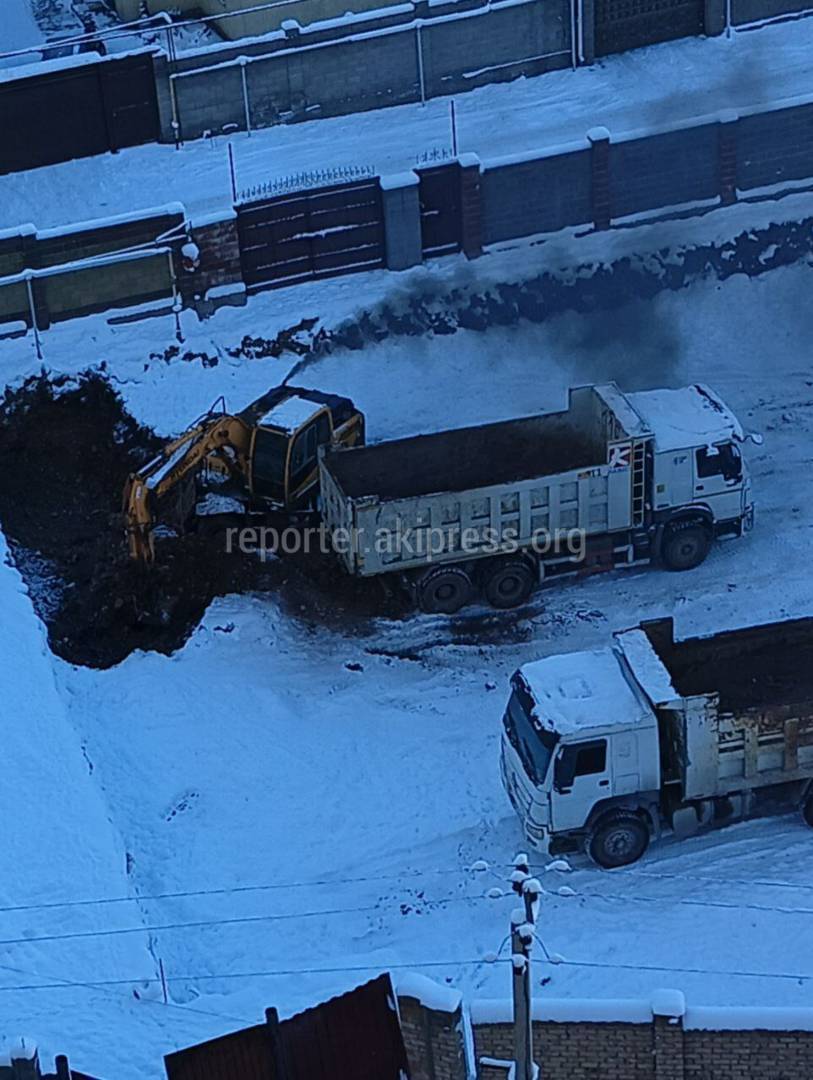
{"points": [[614, 480], [604, 750]]}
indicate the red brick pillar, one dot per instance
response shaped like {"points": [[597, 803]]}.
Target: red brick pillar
{"points": [[728, 158], [599, 139], [433, 1037], [668, 1009], [471, 206]]}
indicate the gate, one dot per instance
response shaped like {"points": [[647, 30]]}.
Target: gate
{"points": [[129, 96], [312, 234], [441, 219], [629, 24], [77, 111]]}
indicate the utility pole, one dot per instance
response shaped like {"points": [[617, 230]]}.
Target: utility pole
{"points": [[523, 921]]}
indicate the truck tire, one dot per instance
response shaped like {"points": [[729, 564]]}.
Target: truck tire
{"points": [[685, 545], [618, 839], [444, 590], [807, 810], [508, 583]]}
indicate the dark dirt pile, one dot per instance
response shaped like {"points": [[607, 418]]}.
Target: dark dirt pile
{"points": [[66, 449]]}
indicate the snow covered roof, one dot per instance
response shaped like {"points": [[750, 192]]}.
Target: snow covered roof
{"points": [[580, 691], [691, 416], [646, 666], [290, 413]]}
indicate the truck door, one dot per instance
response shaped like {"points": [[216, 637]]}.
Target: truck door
{"points": [[718, 479], [581, 777], [673, 480]]}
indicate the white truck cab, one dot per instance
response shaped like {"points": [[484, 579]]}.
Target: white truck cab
{"points": [[578, 734]]}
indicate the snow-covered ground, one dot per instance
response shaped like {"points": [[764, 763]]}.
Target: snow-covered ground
{"points": [[18, 27], [320, 817], [647, 88]]}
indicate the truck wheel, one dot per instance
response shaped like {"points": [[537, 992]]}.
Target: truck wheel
{"points": [[685, 545], [444, 590], [509, 584], [618, 840], [807, 811]]}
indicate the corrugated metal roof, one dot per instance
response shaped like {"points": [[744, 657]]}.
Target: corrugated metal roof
{"points": [[355, 1036]]}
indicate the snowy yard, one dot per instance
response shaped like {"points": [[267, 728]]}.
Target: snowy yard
{"points": [[317, 786], [18, 27], [644, 89]]}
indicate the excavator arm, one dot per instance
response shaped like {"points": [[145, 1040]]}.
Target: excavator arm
{"points": [[218, 436]]}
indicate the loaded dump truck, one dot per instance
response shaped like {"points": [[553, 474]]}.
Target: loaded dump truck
{"points": [[605, 750], [614, 480]]}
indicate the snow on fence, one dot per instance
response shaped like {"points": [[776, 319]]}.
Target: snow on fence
{"points": [[660, 1038], [444, 205]]}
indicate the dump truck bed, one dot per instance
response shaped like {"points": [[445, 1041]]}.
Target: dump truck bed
{"points": [[467, 487], [466, 458], [736, 708]]}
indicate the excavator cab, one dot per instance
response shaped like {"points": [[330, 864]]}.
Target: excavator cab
{"points": [[287, 434]]}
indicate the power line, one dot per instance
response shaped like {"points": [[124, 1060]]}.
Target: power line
{"points": [[106, 988], [772, 883], [414, 965], [234, 890], [691, 902], [238, 920]]}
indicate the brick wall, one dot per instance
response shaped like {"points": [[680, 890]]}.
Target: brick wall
{"points": [[747, 1055], [219, 264], [433, 1040], [606, 1040], [574, 1051]]}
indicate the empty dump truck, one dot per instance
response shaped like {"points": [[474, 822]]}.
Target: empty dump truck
{"points": [[614, 480], [604, 750]]}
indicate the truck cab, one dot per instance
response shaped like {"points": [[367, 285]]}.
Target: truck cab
{"points": [[700, 485], [580, 745]]}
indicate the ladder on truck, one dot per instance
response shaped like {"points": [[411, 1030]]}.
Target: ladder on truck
{"points": [[638, 486]]}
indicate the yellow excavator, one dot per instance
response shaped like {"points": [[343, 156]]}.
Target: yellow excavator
{"points": [[270, 451]]}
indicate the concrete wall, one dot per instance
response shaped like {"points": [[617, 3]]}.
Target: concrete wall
{"points": [[364, 64], [78, 288], [748, 11]]}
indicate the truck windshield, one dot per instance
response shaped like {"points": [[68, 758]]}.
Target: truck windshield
{"points": [[533, 743]]}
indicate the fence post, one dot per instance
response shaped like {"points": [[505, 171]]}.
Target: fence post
{"points": [[471, 206], [586, 31], [715, 17], [25, 1061], [668, 1010], [63, 1069], [728, 157], [402, 220], [246, 102], [599, 139]]}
